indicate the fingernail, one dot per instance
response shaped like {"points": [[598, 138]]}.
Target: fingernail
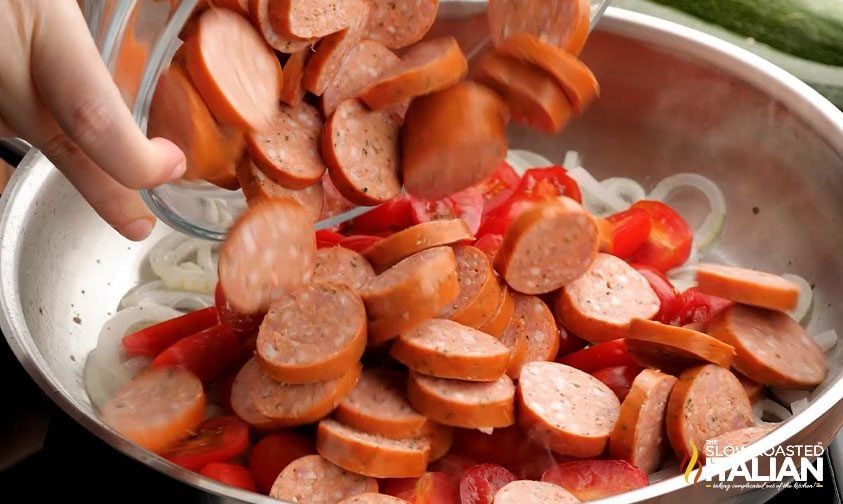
{"points": [[137, 230]]}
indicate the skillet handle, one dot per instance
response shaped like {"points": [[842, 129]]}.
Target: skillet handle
{"points": [[12, 150]]}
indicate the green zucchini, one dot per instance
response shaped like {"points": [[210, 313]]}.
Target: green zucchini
{"points": [[809, 29]]}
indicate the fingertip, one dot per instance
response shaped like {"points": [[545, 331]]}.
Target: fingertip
{"points": [[171, 157], [139, 229]]}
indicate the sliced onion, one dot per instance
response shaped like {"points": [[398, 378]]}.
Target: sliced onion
{"points": [[806, 296], [572, 160], [169, 260], [774, 409], [522, 160], [625, 189], [99, 385], [712, 226], [486, 430], [788, 396], [826, 340], [154, 293], [596, 198], [799, 406]]}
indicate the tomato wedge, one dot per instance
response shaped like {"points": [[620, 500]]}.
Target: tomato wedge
{"points": [[625, 232], [467, 205], [490, 244], [503, 447], [154, 339], [498, 221], [359, 243], [216, 440], [325, 238], [596, 479], [550, 182], [670, 240], [394, 215], [499, 187], [569, 343], [274, 452], [430, 488], [668, 297], [696, 307], [230, 474], [618, 378], [452, 464], [479, 484], [208, 354], [603, 355], [243, 326]]}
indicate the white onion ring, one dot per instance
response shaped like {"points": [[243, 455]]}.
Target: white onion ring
{"points": [[625, 189], [826, 340], [154, 293], [169, 260], [522, 160], [572, 160], [799, 406], [789, 396], [772, 408], [806, 296], [596, 198], [712, 227]]}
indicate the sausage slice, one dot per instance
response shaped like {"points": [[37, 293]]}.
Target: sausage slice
{"points": [[288, 150], [515, 338], [706, 401], [437, 162], [533, 492], [562, 23], [398, 246], [259, 12], [312, 479], [638, 436], [257, 186], [550, 246], [362, 149], [373, 498], [771, 348], [427, 67], [343, 266], [479, 288], [369, 454], [542, 334], [313, 335], [269, 251], [599, 305], [363, 65], [308, 20], [499, 320], [446, 349], [243, 401], [662, 346], [292, 93], [400, 24], [441, 438], [236, 73], [732, 442], [566, 409], [323, 67], [465, 404], [747, 286], [378, 405]]}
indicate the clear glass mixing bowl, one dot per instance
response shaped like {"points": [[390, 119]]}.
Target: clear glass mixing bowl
{"points": [[137, 39]]}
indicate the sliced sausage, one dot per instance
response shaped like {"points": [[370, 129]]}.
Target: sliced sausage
{"points": [[386, 329], [254, 269], [515, 338], [243, 400], [747, 286], [533, 492], [441, 438], [178, 114], [236, 73], [157, 408], [363, 65], [323, 67], [562, 23], [673, 349], [373, 498], [568, 410], [400, 24], [599, 305], [730, 443], [479, 288], [378, 405], [570, 74], [534, 99], [293, 405], [313, 480], [447, 349], [292, 93], [499, 320], [542, 332], [771, 348], [638, 436], [259, 12], [437, 162], [362, 149], [257, 186], [313, 334], [288, 150], [398, 246], [423, 278], [550, 246], [754, 390], [343, 266], [307, 20], [706, 401], [369, 454], [458, 403], [239, 6], [427, 67], [335, 203]]}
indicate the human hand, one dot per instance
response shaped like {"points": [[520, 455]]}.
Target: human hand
{"points": [[56, 93]]}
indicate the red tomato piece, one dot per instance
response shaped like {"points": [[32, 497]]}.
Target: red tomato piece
{"points": [[696, 307], [600, 356], [503, 447], [499, 187], [479, 484], [208, 354], [569, 343], [618, 378], [274, 452], [154, 339], [243, 326], [230, 474], [452, 464], [670, 240], [394, 215], [216, 440], [627, 231], [359, 243], [498, 221], [596, 479], [467, 205], [325, 238], [430, 488], [490, 244], [550, 182], [223, 390], [665, 291]]}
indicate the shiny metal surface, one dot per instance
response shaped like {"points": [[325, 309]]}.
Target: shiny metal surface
{"points": [[673, 100]]}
